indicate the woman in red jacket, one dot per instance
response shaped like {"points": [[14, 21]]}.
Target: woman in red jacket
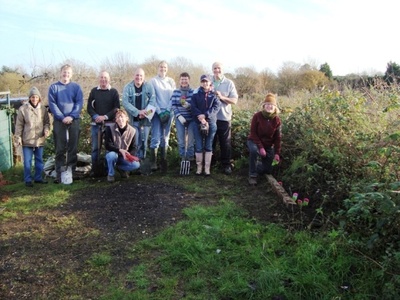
{"points": [[264, 139]]}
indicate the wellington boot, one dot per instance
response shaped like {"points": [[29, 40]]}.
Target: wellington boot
{"points": [[164, 163], [153, 158], [207, 163], [199, 163]]}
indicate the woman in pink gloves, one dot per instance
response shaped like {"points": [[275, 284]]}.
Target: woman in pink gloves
{"points": [[264, 139]]}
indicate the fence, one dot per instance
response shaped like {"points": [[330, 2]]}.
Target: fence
{"points": [[6, 129]]}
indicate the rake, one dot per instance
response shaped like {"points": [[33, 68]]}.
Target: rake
{"points": [[185, 163], [145, 164]]}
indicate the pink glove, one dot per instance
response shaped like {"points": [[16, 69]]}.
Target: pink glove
{"points": [[277, 158], [263, 153], [131, 158]]}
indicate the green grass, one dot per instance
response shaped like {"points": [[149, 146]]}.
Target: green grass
{"points": [[218, 253], [42, 196]]}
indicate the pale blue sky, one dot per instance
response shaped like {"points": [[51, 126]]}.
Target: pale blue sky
{"points": [[352, 36]]}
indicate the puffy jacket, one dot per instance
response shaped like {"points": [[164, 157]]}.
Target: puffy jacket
{"points": [[206, 103]]}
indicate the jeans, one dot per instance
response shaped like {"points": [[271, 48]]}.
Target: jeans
{"points": [[180, 134], [140, 151], [160, 132], [28, 153], [113, 159], [259, 168], [62, 148], [223, 135], [204, 144]]}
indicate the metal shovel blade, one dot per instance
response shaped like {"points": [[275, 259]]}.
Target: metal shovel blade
{"points": [[145, 166], [185, 167]]}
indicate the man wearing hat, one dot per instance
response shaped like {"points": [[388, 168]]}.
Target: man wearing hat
{"points": [[264, 139], [32, 127]]}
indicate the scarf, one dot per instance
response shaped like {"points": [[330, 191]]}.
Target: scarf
{"points": [[184, 90], [268, 115]]}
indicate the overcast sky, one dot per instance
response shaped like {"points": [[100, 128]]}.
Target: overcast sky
{"points": [[352, 36]]}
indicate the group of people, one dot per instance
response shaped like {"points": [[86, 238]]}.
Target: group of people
{"points": [[202, 118]]}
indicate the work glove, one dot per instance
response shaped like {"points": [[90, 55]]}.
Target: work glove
{"points": [[182, 119], [184, 103], [276, 160], [263, 153], [204, 128], [131, 158], [164, 116]]}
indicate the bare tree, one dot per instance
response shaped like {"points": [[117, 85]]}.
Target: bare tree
{"points": [[246, 81], [121, 68]]}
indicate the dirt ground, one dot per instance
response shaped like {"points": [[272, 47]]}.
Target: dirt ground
{"points": [[39, 252]]}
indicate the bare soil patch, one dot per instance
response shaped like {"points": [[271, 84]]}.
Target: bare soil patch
{"points": [[41, 252]]}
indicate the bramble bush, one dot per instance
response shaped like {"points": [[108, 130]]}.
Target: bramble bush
{"points": [[341, 150]]}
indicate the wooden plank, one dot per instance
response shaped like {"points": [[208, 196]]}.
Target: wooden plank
{"points": [[280, 191]]}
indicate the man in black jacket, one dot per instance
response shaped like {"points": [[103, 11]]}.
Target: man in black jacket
{"points": [[102, 104]]}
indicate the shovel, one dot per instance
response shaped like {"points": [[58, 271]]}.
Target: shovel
{"points": [[66, 171], [99, 167], [185, 163], [145, 164]]}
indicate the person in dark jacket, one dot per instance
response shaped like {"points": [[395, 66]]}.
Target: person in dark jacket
{"points": [[264, 139], [102, 104], [205, 106], [121, 147]]}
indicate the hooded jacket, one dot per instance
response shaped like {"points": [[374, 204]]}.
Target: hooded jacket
{"points": [[31, 124]]}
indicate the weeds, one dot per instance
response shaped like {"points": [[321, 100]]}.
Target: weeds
{"points": [[217, 253]]}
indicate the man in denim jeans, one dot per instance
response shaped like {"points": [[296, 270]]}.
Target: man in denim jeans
{"points": [[102, 104], [181, 106], [136, 96]]}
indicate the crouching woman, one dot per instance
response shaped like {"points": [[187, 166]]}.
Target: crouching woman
{"points": [[120, 147], [264, 140]]}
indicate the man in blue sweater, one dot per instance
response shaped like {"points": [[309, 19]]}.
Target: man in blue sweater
{"points": [[65, 103]]}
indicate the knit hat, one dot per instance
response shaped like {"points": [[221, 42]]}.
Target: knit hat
{"points": [[34, 91], [270, 98]]}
